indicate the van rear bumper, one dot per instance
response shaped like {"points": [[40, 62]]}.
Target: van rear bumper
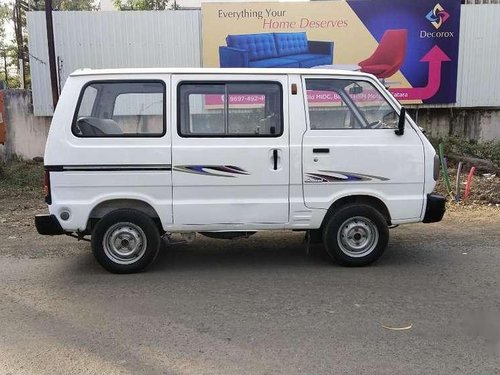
{"points": [[434, 211], [48, 225]]}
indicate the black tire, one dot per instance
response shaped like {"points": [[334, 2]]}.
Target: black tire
{"points": [[118, 241], [356, 235]]}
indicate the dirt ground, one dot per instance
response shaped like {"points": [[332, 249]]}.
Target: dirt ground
{"points": [[485, 188]]}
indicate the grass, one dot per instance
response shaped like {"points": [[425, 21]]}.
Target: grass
{"points": [[21, 176], [489, 150]]}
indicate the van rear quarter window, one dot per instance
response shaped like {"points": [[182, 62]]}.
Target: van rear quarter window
{"points": [[121, 109]]}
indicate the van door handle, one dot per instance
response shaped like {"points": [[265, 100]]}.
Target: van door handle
{"points": [[275, 159], [321, 150]]}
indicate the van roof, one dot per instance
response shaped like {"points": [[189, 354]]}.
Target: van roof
{"points": [[122, 71]]}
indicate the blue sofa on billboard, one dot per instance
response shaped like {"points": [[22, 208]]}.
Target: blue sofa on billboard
{"points": [[274, 50]]}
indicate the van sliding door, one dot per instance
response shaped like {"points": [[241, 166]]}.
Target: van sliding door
{"points": [[230, 150]]}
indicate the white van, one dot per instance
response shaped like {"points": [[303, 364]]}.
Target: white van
{"points": [[136, 154]]}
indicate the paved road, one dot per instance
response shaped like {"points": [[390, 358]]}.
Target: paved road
{"points": [[256, 306]]}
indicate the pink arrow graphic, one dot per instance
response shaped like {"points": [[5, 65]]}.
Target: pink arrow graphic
{"points": [[435, 57]]}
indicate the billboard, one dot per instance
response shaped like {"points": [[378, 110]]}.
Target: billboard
{"points": [[412, 46]]}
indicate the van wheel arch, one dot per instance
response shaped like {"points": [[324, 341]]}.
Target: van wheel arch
{"points": [[105, 207], [369, 200]]}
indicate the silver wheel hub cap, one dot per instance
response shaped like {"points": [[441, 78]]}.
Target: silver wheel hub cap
{"points": [[124, 243], [357, 236]]}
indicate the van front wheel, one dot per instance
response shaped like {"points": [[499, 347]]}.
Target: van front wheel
{"points": [[125, 241], [356, 235]]}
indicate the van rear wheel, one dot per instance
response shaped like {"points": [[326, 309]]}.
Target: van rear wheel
{"points": [[125, 241], [356, 235]]}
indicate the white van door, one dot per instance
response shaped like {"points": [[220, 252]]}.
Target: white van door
{"points": [[350, 147], [230, 153]]}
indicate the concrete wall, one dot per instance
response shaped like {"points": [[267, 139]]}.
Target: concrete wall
{"points": [[26, 134], [481, 124]]}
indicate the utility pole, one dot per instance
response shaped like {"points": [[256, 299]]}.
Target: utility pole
{"points": [[52, 52], [5, 67], [4, 53], [18, 25]]}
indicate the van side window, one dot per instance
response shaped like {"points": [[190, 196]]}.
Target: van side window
{"points": [[342, 103], [231, 109], [121, 109]]}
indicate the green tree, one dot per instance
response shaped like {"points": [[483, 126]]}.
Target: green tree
{"points": [[145, 4], [76, 5], [4, 19], [66, 4], [7, 48]]}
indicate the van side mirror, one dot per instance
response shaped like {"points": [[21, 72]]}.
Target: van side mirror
{"points": [[401, 123]]}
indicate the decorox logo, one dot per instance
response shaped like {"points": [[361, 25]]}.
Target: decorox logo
{"points": [[437, 16]]}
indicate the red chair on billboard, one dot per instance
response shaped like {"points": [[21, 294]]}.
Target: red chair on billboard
{"points": [[389, 55]]}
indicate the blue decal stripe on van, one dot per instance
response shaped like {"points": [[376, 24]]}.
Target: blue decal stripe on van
{"points": [[340, 176], [211, 170], [109, 167]]}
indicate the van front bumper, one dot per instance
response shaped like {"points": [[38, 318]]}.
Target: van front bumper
{"points": [[434, 211], [48, 225]]}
